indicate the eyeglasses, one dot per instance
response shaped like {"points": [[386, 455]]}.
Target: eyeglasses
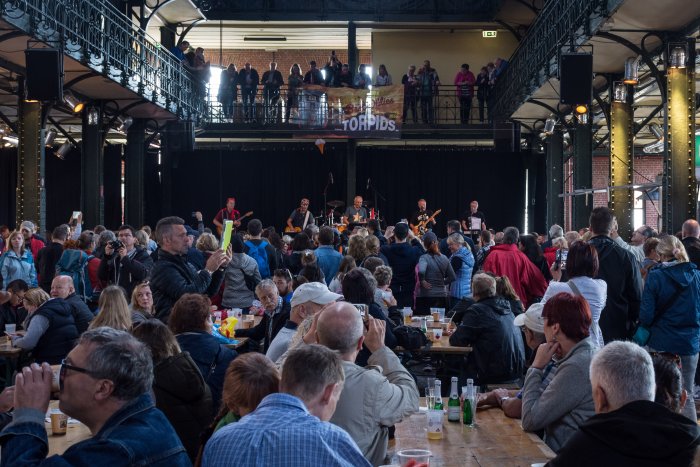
{"points": [[66, 366], [668, 356]]}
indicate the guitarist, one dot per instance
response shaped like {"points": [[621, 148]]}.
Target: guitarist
{"points": [[300, 218], [227, 213], [419, 220]]}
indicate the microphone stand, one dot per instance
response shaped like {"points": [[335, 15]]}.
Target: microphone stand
{"points": [[325, 199], [376, 205]]}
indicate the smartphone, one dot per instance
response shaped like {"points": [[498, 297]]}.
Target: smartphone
{"points": [[364, 312], [560, 259], [75, 215]]}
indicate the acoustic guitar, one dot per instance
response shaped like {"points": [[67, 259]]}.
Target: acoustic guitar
{"points": [[292, 229], [420, 228], [220, 230]]}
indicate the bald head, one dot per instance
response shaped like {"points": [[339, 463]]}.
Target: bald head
{"points": [[340, 328], [691, 228], [62, 287]]}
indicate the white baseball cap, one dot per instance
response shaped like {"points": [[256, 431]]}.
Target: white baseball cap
{"points": [[313, 292], [532, 318]]}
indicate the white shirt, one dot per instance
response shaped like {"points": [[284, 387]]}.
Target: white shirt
{"points": [[595, 291]]}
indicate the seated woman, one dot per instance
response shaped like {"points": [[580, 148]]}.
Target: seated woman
{"points": [[249, 379], [567, 401], [358, 287], [273, 319], [180, 390], [505, 289], [141, 303], [190, 321], [51, 330], [113, 311], [497, 354]]}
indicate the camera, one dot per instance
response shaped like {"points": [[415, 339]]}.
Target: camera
{"points": [[116, 244]]}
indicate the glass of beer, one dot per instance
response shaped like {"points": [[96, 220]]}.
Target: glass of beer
{"points": [[434, 313], [407, 315]]}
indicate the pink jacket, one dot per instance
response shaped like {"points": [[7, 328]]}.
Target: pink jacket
{"points": [[462, 79]]}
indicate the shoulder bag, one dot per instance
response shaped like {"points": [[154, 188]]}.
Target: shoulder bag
{"points": [[643, 333]]}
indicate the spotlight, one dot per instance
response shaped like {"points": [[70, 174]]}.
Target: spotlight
{"points": [[582, 118], [631, 71], [73, 103], [63, 151], [620, 92], [549, 125], [656, 130], [124, 123], [93, 116], [50, 137], [581, 109], [677, 57]]}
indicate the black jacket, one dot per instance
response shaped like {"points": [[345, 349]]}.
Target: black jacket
{"points": [[375, 311], [638, 434], [125, 272], [59, 338], [498, 352], [12, 315], [403, 259], [184, 398], [692, 247], [618, 268], [81, 313], [266, 330], [212, 359], [46, 261], [172, 277]]}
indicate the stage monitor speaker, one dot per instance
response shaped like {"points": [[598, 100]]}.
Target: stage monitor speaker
{"points": [[44, 80], [180, 136], [576, 79]]}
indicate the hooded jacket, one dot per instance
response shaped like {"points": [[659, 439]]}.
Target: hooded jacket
{"points": [[526, 278], [498, 353], [14, 267], [638, 434], [403, 258], [619, 270], [677, 330], [184, 398], [236, 293]]}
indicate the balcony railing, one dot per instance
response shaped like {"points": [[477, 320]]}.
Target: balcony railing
{"points": [[292, 108], [102, 38]]}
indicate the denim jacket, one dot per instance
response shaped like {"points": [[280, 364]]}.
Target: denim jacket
{"points": [[138, 434]]}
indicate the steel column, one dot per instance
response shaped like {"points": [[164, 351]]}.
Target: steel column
{"points": [[92, 179], [555, 179], [583, 174], [621, 166], [31, 198], [135, 153]]}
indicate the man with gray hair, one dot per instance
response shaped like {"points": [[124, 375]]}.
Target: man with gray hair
{"points": [[507, 260], [31, 239], [691, 240], [497, 355], [629, 428], [375, 397], [105, 382], [291, 428]]}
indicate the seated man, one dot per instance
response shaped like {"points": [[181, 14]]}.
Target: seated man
{"points": [[11, 309], [63, 287], [375, 397], [498, 354], [629, 428], [308, 299], [105, 383], [291, 427]]}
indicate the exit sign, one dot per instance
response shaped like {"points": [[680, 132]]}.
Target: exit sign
{"points": [[489, 33]]}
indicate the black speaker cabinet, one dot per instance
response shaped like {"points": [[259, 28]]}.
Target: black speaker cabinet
{"points": [[576, 78], [180, 136], [44, 78]]}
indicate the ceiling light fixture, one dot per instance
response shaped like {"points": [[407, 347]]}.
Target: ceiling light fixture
{"points": [[50, 137], [619, 92], [63, 151], [677, 57], [73, 103], [631, 71]]}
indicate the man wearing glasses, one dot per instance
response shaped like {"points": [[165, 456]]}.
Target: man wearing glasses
{"points": [[105, 383]]}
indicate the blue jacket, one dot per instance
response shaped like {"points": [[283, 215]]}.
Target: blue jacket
{"points": [[678, 329], [13, 267], [462, 286], [212, 359], [138, 434], [329, 261]]}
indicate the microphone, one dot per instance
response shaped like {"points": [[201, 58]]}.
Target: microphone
{"points": [[368, 184], [330, 177]]}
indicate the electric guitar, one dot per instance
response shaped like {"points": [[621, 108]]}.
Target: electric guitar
{"points": [[220, 230], [420, 228]]}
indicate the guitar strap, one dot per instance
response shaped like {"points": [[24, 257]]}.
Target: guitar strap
{"points": [[306, 220]]}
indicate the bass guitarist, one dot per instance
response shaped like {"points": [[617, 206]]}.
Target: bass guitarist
{"points": [[421, 221]]}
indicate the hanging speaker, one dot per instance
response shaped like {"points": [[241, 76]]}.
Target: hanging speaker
{"points": [[44, 77], [575, 78]]}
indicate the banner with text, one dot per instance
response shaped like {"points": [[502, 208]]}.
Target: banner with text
{"points": [[349, 113]]}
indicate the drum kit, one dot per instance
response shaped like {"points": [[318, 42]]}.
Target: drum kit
{"points": [[333, 215]]}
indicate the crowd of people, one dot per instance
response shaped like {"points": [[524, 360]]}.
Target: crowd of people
{"points": [[601, 335], [421, 86]]}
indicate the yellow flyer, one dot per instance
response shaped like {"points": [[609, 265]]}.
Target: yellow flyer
{"points": [[226, 236]]}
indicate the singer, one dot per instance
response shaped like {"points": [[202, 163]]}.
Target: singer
{"points": [[300, 218], [355, 213]]}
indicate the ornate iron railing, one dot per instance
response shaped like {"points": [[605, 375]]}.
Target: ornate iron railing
{"points": [[535, 60], [102, 38]]}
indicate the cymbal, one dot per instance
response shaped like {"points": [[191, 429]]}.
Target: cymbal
{"points": [[336, 203]]}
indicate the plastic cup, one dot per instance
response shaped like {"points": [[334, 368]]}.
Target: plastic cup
{"points": [[10, 328], [435, 427], [437, 332], [59, 422], [435, 314], [414, 457], [407, 315], [441, 314], [55, 385]]}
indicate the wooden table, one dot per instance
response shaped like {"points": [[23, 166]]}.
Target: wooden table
{"points": [[11, 355], [439, 346], [496, 441], [76, 433]]}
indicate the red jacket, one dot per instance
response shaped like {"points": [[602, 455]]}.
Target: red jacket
{"points": [[526, 278], [35, 245], [550, 254]]}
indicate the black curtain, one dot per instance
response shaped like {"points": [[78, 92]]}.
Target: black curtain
{"points": [[271, 180], [112, 180], [62, 187], [8, 182]]}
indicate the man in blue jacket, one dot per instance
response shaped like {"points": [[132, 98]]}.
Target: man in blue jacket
{"points": [[105, 383], [403, 258]]}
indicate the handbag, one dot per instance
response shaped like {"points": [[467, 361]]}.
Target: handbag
{"points": [[410, 338], [642, 334]]}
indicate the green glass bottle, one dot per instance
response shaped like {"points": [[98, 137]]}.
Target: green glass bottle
{"points": [[438, 395], [453, 403]]}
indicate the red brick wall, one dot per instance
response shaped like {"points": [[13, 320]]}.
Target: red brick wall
{"points": [[260, 59]]}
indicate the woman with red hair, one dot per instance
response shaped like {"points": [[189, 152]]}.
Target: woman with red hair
{"points": [[557, 395]]}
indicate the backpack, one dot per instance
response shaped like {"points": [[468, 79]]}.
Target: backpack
{"points": [[74, 263], [259, 254]]}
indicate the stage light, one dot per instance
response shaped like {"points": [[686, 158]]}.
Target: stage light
{"points": [[631, 71], [620, 92], [50, 137], [11, 140], [656, 130], [581, 109], [549, 125], [73, 103], [124, 123], [677, 57], [63, 151]]}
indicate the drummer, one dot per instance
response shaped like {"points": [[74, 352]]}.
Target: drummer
{"points": [[355, 214], [300, 218]]}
